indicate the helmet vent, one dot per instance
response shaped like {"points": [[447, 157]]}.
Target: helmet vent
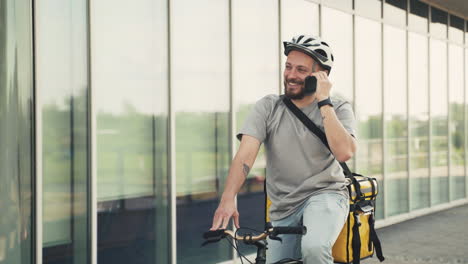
{"points": [[321, 52], [332, 58], [323, 43], [299, 39], [308, 40]]}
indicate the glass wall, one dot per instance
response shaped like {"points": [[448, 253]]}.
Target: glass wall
{"points": [[16, 133], [62, 84], [405, 71], [254, 75], [200, 86], [396, 123], [439, 121], [368, 74], [457, 122], [298, 17], [130, 84], [418, 104]]}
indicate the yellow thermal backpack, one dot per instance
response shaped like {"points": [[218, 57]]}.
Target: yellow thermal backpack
{"points": [[358, 238]]}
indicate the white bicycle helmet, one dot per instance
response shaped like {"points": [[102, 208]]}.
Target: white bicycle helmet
{"points": [[312, 46]]}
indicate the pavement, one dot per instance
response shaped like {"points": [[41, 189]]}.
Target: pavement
{"points": [[440, 238]]}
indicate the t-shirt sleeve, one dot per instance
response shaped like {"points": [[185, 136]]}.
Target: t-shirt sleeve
{"points": [[256, 123], [346, 116]]}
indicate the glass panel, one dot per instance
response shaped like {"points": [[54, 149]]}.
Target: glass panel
{"points": [[368, 8], [439, 109], [298, 17], [456, 29], [419, 119], [342, 4], [438, 26], [396, 129], [368, 103], [395, 11], [62, 82], [16, 137], [337, 31], [200, 82], [417, 17], [253, 37], [129, 45], [457, 127]]}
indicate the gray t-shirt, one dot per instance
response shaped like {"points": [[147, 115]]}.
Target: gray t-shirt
{"points": [[298, 164]]}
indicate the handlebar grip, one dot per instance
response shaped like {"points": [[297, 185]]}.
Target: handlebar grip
{"points": [[299, 230], [217, 234]]}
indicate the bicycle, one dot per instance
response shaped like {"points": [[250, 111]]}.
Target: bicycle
{"points": [[260, 241]]}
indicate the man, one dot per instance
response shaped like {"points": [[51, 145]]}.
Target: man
{"points": [[305, 182]]}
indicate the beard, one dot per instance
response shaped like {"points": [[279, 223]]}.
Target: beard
{"points": [[294, 96]]}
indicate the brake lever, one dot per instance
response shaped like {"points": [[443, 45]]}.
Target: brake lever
{"points": [[274, 237]]}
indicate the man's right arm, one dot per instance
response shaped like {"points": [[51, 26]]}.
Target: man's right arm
{"points": [[240, 167]]}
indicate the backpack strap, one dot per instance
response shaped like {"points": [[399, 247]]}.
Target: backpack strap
{"points": [[316, 130], [356, 243], [375, 239]]}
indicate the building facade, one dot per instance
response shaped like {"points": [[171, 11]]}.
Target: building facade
{"points": [[118, 118]]}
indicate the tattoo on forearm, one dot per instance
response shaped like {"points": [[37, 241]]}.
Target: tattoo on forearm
{"points": [[246, 169]]}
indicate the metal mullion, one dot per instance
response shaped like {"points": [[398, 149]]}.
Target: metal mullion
{"points": [[172, 153], [354, 74], [232, 114], [92, 146], [429, 86], [408, 123], [449, 116], [384, 134], [464, 107], [279, 47], [37, 134]]}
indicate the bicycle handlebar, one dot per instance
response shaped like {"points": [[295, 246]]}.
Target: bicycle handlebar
{"points": [[213, 236]]}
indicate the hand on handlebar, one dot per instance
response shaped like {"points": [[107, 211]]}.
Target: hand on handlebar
{"points": [[223, 214]]}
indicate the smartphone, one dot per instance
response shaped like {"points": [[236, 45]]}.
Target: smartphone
{"points": [[310, 84]]}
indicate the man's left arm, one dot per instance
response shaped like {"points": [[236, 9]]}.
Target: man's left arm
{"points": [[342, 143]]}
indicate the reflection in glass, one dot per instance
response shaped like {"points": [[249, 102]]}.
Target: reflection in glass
{"points": [[298, 17], [396, 130], [419, 120], [456, 125], [439, 111], [337, 31], [438, 26], [368, 102], [200, 85], [130, 96], [395, 11], [456, 29], [418, 16], [16, 133], [62, 85], [368, 8], [255, 74], [342, 4]]}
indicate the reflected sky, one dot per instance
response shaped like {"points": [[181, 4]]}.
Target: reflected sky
{"points": [[130, 56], [337, 32]]}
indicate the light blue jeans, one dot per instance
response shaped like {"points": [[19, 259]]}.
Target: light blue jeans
{"points": [[324, 215]]}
